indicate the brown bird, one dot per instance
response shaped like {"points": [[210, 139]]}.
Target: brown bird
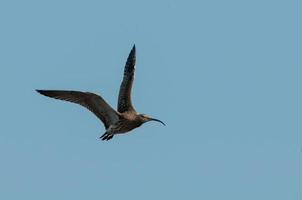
{"points": [[124, 119]]}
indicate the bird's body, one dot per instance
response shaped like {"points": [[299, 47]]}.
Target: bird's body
{"points": [[125, 124], [121, 121]]}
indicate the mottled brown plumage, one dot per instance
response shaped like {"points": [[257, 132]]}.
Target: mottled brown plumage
{"points": [[124, 119]]}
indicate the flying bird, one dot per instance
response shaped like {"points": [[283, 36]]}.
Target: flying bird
{"points": [[119, 121]]}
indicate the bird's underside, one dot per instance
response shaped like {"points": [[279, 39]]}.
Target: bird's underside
{"points": [[124, 119]]}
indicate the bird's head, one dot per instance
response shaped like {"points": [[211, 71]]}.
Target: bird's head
{"points": [[146, 118]]}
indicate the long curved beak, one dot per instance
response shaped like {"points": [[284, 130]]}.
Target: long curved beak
{"points": [[157, 120]]}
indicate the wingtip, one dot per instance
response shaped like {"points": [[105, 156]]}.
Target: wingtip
{"points": [[42, 92], [131, 57], [133, 48]]}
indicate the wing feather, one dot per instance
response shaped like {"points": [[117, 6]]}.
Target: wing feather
{"points": [[124, 98], [96, 104]]}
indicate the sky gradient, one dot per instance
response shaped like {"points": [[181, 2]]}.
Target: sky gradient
{"points": [[225, 76]]}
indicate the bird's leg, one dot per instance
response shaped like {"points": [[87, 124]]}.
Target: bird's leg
{"points": [[106, 136], [109, 137], [102, 136]]}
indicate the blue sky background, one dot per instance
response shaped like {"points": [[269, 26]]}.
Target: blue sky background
{"points": [[225, 76]]}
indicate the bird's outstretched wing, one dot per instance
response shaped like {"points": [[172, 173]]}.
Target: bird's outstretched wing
{"points": [[124, 98], [92, 102]]}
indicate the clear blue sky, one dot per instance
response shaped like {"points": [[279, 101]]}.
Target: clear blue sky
{"points": [[225, 76]]}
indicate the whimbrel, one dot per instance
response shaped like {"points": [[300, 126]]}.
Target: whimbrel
{"points": [[124, 119]]}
